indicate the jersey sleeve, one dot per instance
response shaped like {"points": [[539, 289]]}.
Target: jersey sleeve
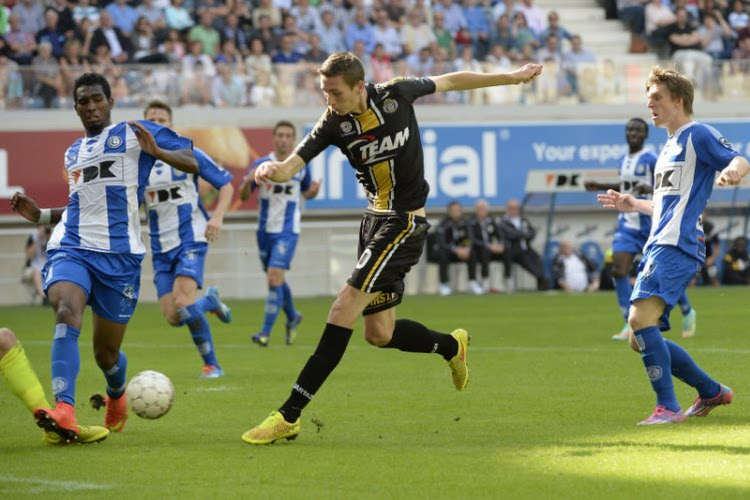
{"points": [[408, 87], [712, 149], [210, 171], [166, 138], [304, 184], [317, 140]]}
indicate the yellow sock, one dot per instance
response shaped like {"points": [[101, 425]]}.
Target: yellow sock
{"points": [[21, 378]]}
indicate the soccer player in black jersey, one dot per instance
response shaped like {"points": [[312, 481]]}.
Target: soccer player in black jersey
{"points": [[375, 127]]}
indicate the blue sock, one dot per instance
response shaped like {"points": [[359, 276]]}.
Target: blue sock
{"points": [[289, 310], [66, 362], [684, 303], [274, 300], [116, 376], [687, 370], [200, 330], [624, 290], [206, 303], [657, 361]]}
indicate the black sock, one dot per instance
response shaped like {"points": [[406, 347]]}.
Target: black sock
{"points": [[411, 336], [329, 352]]}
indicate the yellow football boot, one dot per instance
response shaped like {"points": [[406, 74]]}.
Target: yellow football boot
{"points": [[86, 434], [459, 368], [273, 428]]}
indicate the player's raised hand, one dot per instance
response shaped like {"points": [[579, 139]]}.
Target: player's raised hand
{"points": [[25, 207], [729, 177], [145, 138], [617, 201], [527, 73]]}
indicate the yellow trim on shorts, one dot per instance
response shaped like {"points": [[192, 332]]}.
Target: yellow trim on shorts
{"points": [[390, 248]]}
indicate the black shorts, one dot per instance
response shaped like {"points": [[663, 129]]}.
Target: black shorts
{"points": [[389, 245]]}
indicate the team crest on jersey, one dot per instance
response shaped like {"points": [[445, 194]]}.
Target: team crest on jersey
{"points": [[725, 142], [346, 127], [114, 142], [390, 105], [640, 169]]}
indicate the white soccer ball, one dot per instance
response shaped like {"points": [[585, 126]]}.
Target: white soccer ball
{"points": [[150, 394]]}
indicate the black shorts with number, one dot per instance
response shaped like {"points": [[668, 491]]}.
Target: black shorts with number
{"points": [[389, 245]]}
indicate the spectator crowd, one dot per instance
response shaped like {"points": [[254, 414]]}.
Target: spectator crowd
{"points": [[263, 53]]}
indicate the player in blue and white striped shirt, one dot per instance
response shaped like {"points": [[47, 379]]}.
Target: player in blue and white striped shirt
{"points": [[685, 171], [278, 230], [95, 252], [180, 230], [636, 178]]}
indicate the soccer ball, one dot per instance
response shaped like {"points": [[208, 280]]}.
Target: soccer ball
{"points": [[150, 394]]}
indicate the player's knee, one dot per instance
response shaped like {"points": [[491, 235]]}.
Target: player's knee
{"points": [[619, 270], [67, 313], [633, 344], [377, 336], [7, 341], [173, 319], [275, 277], [106, 356], [180, 301]]}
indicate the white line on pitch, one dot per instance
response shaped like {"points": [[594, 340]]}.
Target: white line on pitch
{"points": [[36, 485], [220, 388]]}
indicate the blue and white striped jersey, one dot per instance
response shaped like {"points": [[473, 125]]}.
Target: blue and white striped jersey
{"points": [[176, 215], [279, 202], [636, 170], [684, 179], [107, 174]]}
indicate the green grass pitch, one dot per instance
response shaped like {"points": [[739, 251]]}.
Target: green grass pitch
{"points": [[549, 412]]}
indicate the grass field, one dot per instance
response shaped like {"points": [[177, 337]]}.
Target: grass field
{"points": [[550, 411]]}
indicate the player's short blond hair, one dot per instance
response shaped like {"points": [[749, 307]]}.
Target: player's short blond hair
{"points": [[677, 84]]}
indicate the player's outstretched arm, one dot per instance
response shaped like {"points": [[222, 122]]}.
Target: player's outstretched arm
{"points": [[468, 80], [29, 210], [181, 159], [213, 226], [734, 172], [274, 171], [624, 202]]}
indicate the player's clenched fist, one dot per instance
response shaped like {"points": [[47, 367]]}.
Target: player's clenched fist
{"points": [[729, 177], [266, 171]]}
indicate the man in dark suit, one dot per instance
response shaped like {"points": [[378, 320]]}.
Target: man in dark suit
{"points": [[487, 240], [518, 232], [455, 242], [108, 34]]}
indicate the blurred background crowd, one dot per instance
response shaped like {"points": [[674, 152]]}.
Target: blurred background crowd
{"points": [[264, 53]]}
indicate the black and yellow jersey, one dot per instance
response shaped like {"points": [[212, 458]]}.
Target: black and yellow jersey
{"points": [[383, 144]]}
